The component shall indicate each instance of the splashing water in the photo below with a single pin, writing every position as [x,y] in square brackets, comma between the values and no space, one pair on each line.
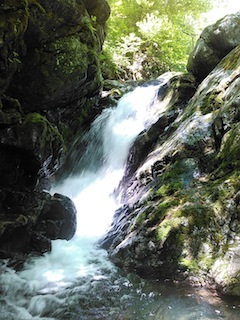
[91,192]
[76,281]
[111,136]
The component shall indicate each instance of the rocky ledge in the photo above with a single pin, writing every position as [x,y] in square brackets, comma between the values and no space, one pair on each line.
[181,190]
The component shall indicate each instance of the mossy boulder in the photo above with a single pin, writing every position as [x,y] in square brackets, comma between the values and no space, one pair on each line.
[61,67]
[181,201]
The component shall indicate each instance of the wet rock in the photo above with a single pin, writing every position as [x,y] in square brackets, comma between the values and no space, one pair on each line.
[179,90]
[182,192]
[226,272]
[58,217]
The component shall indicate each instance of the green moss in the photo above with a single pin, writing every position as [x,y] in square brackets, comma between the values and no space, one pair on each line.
[35,118]
[166,226]
[140,219]
[170,181]
[169,188]
[167,203]
[49,132]
[190,264]
[230,150]
[198,214]
[72,55]
[212,101]
[232,60]
[188,222]
[205,262]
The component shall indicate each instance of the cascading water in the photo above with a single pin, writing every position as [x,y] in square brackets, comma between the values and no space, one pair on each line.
[76,281]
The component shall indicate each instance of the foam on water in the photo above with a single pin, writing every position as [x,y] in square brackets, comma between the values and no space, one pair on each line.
[30,293]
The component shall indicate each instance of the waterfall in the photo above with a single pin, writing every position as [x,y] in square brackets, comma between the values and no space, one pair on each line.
[76,281]
[29,292]
[103,163]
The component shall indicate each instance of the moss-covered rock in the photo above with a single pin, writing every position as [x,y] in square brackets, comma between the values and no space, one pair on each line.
[61,65]
[13,24]
[50,83]
[39,147]
[181,201]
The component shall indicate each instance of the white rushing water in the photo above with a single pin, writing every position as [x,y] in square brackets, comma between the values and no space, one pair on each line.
[29,293]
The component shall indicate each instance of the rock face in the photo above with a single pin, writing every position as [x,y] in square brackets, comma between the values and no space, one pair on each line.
[215,42]
[180,191]
[50,81]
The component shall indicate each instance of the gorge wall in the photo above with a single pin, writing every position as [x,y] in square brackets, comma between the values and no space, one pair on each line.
[181,189]
[50,81]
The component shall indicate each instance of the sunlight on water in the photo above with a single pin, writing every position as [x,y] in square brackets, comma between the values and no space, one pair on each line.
[98,205]
[92,192]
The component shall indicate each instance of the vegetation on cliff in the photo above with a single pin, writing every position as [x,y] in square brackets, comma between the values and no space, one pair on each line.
[146,38]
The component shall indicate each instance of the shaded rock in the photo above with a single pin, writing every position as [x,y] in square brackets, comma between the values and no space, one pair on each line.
[30,151]
[30,220]
[58,218]
[61,67]
[18,168]
[215,42]
[13,24]
[50,83]
[10,112]
[98,8]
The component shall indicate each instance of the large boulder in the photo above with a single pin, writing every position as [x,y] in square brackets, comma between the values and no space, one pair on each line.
[60,67]
[180,216]
[30,220]
[215,42]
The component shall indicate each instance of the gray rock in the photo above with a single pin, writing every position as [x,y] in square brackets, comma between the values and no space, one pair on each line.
[215,42]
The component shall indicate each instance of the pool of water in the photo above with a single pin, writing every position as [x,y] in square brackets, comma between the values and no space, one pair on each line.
[101,291]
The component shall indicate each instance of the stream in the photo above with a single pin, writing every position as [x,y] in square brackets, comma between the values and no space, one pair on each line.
[76,281]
